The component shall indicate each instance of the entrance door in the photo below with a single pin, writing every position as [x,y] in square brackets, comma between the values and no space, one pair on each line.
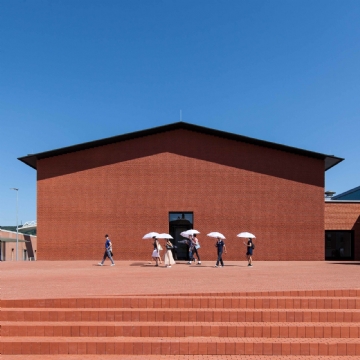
[339,245]
[179,222]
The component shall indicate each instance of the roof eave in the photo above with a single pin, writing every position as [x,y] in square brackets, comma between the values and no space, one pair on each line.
[31,159]
[331,161]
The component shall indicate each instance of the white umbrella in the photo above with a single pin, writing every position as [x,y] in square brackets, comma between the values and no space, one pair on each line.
[189,233]
[246,235]
[150,235]
[216,234]
[164,236]
[192,232]
[184,234]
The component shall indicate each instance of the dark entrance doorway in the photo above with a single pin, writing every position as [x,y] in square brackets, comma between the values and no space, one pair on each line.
[179,222]
[339,245]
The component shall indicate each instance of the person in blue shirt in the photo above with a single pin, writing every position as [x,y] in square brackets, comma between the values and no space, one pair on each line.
[220,249]
[108,251]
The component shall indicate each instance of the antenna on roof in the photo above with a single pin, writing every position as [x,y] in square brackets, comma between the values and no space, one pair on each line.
[180,115]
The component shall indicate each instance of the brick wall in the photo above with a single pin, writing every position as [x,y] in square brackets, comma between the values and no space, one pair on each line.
[344,216]
[127,189]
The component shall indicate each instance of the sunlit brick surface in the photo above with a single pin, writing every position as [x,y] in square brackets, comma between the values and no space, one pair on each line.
[109,312]
[127,189]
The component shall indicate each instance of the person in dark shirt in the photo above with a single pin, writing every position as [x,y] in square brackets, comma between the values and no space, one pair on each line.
[220,249]
[249,251]
[108,251]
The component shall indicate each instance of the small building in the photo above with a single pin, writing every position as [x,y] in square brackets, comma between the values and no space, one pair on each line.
[26,246]
[342,226]
[175,177]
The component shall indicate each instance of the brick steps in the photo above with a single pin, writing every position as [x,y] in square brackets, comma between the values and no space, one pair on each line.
[184,329]
[195,302]
[178,346]
[300,324]
[176,357]
[181,314]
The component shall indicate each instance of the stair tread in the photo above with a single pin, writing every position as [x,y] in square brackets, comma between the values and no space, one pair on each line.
[177,309]
[180,323]
[176,357]
[193,339]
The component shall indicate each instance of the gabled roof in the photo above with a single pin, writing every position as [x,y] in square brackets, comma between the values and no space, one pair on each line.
[352,194]
[32,159]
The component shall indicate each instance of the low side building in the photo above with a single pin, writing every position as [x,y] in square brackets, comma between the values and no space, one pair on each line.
[342,226]
[27,246]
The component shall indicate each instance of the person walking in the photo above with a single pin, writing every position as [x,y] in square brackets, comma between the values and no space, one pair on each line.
[249,251]
[195,246]
[108,251]
[168,258]
[155,253]
[191,246]
[160,249]
[220,249]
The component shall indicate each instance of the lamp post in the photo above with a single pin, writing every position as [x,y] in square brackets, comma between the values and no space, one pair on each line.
[17,227]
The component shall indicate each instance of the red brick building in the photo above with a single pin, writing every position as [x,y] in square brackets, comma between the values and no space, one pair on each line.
[174,177]
[342,230]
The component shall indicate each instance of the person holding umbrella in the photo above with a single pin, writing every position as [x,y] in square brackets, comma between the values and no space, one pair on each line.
[249,251]
[220,246]
[195,246]
[220,249]
[155,254]
[249,245]
[168,258]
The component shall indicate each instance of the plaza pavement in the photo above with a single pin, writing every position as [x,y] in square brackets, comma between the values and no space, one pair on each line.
[73,279]
[60,279]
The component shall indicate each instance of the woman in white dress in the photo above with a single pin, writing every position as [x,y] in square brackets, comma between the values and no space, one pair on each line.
[155,254]
[168,258]
[159,248]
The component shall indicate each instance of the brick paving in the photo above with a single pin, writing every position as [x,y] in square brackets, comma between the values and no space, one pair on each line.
[275,307]
[64,279]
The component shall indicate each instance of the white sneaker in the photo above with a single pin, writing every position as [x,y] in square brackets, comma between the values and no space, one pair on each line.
[169,266]
[189,262]
[112,265]
[100,264]
[199,262]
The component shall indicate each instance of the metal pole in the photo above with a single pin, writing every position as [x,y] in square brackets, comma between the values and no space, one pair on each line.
[17,226]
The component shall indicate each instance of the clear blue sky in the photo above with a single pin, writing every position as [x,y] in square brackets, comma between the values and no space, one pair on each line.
[72,71]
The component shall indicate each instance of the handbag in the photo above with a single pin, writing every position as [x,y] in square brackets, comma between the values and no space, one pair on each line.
[197,246]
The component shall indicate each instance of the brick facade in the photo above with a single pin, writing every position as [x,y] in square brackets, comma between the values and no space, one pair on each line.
[344,216]
[128,188]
